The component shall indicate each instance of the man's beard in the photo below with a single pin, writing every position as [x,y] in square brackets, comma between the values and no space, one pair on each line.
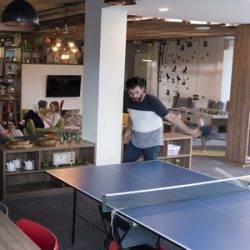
[137,99]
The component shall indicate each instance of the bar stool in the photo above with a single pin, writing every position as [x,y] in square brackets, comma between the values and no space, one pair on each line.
[4,209]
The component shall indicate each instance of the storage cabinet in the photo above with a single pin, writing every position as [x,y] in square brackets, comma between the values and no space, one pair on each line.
[22,182]
[183,156]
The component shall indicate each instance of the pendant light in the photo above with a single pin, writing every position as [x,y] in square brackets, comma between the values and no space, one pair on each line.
[121,2]
[20,13]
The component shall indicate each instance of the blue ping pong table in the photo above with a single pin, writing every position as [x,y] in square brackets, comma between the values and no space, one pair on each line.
[189,209]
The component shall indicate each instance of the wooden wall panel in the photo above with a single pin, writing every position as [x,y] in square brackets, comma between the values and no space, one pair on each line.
[238,124]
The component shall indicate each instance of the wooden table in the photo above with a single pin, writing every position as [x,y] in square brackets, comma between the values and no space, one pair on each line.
[11,237]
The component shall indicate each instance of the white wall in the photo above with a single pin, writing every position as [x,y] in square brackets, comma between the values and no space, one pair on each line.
[198,68]
[34,84]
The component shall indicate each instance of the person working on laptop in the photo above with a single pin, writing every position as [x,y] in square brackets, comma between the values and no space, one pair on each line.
[144,133]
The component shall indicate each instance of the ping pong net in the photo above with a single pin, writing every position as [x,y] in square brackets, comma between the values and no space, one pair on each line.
[156,196]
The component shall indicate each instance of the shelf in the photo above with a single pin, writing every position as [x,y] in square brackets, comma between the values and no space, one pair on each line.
[18,172]
[22,171]
[10,94]
[24,181]
[174,156]
[185,144]
[12,78]
[172,136]
[12,47]
[17,63]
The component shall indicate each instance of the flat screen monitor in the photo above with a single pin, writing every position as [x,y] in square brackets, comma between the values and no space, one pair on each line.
[63,86]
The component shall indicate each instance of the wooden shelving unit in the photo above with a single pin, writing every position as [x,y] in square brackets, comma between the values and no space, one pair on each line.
[23,182]
[183,158]
[15,49]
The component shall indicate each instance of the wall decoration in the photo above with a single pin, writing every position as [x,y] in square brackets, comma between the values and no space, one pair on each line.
[188,68]
[205,43]
[196,97]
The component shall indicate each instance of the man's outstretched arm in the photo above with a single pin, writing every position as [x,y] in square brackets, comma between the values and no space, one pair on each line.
[175,120]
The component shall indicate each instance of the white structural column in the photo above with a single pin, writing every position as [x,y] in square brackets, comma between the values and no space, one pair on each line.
[104,63]
[227,71]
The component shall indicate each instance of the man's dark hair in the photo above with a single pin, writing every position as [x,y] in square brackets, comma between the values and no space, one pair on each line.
[42,104]
[133,82]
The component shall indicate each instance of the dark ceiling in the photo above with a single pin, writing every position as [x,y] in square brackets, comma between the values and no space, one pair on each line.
[51,9]
[51,14]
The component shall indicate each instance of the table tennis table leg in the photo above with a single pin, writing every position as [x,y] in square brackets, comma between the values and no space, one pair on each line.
[74,219]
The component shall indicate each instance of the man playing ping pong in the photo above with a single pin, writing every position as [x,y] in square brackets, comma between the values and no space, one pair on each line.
[144,133]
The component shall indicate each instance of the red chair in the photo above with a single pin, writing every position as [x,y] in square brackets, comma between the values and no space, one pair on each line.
[61,105]
[39,234]
[113,245]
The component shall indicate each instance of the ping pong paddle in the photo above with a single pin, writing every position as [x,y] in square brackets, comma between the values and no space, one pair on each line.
[206,130]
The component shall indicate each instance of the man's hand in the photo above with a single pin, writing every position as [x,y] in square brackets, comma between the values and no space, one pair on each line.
[127,136]
[195,133]
[174,119]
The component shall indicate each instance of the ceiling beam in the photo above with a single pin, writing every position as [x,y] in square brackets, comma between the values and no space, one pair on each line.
[140,30]
[59,12]
[15,28]
[78,19]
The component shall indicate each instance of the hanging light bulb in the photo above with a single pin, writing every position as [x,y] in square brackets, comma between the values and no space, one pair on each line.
[55,49]
[58,43]
[74,50]
[67,57]
[71,44]
[63,56]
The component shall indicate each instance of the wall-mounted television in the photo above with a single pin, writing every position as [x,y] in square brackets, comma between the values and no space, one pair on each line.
[63,85]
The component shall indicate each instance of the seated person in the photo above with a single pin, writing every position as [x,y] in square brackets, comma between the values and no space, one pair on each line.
[13,131]
[6,136]
[49,120]
[41,105]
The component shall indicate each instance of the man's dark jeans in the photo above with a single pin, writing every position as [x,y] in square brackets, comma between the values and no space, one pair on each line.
[132,153]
